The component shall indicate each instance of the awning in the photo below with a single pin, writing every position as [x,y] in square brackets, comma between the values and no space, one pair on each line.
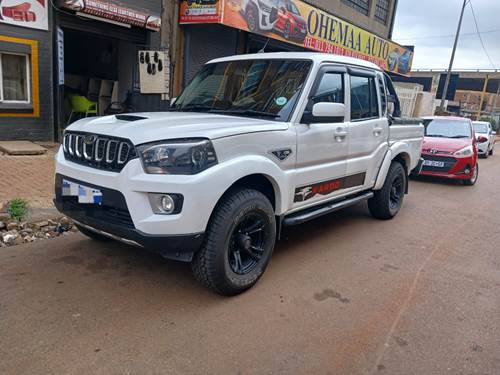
[301,24]
[114,12]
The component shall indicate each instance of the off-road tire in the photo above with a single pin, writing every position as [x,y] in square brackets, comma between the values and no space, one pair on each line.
[92,235]
[380,205]
[211,265]
[473,180]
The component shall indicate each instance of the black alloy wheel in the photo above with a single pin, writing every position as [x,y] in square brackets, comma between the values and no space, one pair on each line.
[247,244]
[397,193]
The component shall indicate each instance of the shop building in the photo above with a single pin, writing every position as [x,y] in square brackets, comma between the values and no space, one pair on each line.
[88,57]
[26,105]
[357,28]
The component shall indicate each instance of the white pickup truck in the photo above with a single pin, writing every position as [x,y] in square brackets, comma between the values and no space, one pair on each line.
[253,144]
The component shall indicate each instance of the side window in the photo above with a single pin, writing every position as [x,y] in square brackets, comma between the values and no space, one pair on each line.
[364,99]
[330,89]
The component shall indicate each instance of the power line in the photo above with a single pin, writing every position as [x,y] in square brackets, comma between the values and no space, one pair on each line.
[447,36]
[479,35]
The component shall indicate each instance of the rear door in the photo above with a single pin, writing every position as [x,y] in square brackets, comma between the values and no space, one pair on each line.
[322,146]
[368,127]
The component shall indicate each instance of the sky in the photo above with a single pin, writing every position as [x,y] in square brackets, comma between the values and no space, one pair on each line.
[430,26]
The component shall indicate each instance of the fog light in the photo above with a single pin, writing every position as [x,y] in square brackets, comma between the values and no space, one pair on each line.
[467,171]
[165,204]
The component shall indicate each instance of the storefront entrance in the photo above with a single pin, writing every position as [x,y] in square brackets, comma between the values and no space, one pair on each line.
[100,73]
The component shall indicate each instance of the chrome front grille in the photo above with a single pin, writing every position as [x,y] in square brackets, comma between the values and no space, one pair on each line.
[98,151]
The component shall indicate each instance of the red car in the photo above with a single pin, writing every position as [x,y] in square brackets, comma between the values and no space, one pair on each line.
[450,149]
[290,23]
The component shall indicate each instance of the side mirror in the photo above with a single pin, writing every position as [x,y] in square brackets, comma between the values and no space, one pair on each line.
[328,112]
[493,132]
[172,101]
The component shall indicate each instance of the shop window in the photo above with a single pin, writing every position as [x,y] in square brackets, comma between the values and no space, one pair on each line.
[382,11]
[364,100]
[14,78]
[362,6]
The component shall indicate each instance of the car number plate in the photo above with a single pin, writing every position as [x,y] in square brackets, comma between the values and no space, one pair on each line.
[85,194]
[434,163]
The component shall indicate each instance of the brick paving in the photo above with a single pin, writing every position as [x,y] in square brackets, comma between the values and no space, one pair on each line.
[28,177]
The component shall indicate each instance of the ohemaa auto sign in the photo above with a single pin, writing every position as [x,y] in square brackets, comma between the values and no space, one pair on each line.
[25,13]
[115,12]
[296,22]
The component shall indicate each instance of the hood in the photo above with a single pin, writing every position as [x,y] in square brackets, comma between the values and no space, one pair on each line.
[447,145]
[155,126]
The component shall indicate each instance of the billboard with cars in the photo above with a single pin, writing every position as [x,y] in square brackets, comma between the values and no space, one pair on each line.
[296,22]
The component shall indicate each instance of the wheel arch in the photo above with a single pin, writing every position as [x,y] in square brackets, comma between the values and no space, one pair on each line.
[261,182]
[400,155]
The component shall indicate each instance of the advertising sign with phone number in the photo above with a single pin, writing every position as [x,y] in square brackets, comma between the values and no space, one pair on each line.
[296,22]
[26,13]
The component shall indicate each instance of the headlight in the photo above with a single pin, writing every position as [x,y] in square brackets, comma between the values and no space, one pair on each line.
[466,151]
[185,156]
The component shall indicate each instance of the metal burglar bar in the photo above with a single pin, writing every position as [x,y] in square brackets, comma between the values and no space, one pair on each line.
[382,11]
[96,151]
[362,6]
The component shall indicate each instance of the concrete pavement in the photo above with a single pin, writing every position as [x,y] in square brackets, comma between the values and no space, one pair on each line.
[345,294]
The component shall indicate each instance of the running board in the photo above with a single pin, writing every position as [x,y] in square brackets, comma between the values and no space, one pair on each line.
[314,212]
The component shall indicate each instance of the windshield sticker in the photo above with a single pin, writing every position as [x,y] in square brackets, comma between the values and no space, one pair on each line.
[281,101]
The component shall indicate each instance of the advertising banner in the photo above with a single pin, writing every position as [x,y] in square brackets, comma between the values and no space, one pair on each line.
[296,22]
[114,12]
[26,13]
[200,11]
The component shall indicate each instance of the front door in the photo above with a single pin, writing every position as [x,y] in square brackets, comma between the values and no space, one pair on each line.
[368,128]
[322,148]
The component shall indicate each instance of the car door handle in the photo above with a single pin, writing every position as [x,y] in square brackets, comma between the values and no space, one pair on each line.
[377,131]
[340,134]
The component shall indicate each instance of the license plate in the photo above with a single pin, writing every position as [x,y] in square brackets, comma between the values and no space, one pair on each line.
[85,194]
[434,163]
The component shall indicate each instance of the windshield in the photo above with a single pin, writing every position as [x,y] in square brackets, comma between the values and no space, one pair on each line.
[480,128]
[255,88]
[448,129]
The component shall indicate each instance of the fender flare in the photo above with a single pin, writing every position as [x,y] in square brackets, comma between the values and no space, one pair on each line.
[396,150]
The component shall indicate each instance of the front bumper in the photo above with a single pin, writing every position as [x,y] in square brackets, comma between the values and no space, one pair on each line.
[483,148]
[454,167]
[112,219]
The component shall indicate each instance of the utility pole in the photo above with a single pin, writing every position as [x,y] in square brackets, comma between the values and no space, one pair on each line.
[448,75]
[494,110]
[481,101]
[169,37]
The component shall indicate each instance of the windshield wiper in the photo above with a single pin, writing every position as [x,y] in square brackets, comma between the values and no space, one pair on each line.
[192,108]
[460,136]
[245,112]
[435,135]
